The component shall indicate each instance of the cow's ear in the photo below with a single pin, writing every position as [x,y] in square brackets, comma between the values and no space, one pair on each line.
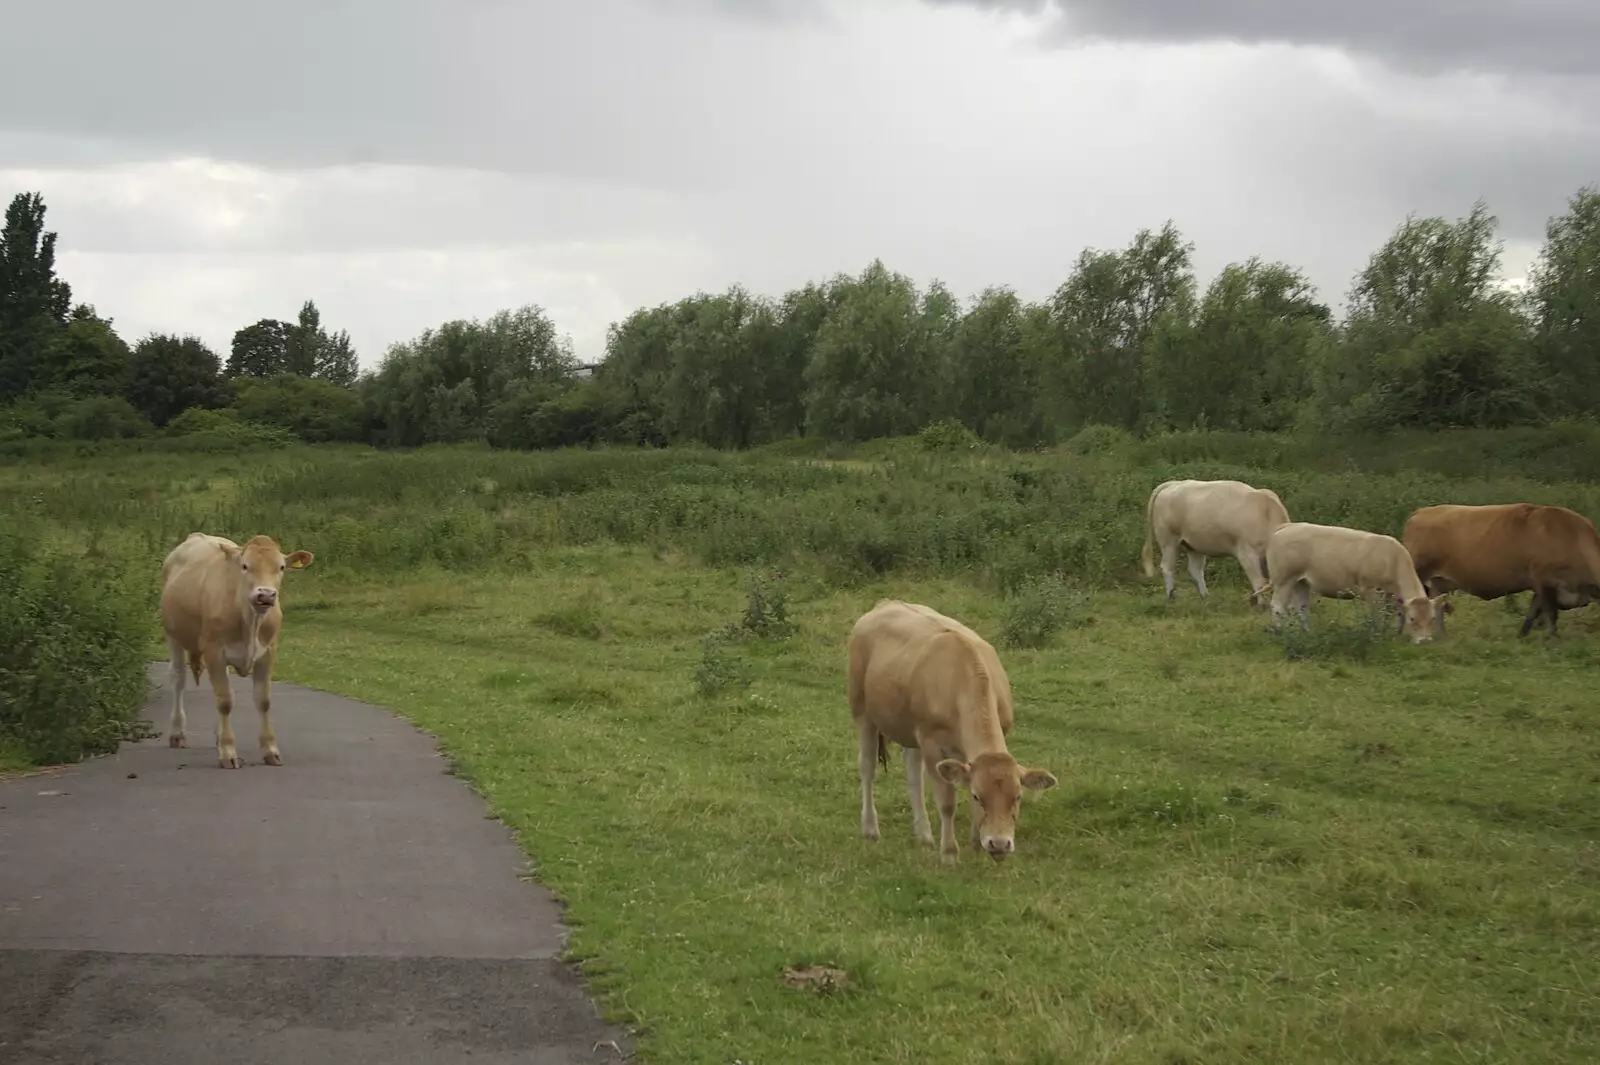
[232,553]
[300,559]
[1038,779]
[955,772]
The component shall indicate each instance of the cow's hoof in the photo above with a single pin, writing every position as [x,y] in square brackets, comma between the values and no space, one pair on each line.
[272,758]
[175,740]
[950,857]
[231,761]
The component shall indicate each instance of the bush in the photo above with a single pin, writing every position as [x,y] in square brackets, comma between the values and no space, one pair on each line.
[316,411]
[203,420]
[72,665]
[100,418]
[1039,608]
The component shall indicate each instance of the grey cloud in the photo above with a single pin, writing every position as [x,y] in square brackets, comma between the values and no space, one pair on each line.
[675,96]
[1533,36]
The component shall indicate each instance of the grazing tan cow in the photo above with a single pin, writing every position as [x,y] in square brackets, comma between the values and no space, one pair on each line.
[220,608]
[1339,563]
[1208,518]
[1498,550]
[936,688]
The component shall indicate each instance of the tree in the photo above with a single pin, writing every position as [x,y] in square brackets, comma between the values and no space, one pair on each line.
[1246,363]
[870,372]
[1109,311]
[712,391]
[304,341]
[1564,301]
[169,374]
[992,381]
[260,350]
[336,360]
[33,301]
[1424,305]
[443,386]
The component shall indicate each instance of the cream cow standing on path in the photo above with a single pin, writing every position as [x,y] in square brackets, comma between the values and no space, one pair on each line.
[936,688]
[1208,518]
[220,608]
[1339,563]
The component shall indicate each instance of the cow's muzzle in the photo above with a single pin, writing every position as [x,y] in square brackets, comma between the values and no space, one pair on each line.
[263,598]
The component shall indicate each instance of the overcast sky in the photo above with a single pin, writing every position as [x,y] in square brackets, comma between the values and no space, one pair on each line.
[404,162]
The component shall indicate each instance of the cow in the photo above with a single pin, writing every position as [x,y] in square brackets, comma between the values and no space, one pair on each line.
[1339,563]
[220,608]
[1503,548]
[1208,518]
[936,688]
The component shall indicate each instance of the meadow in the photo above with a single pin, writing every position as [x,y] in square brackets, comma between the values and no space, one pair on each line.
[1330,846]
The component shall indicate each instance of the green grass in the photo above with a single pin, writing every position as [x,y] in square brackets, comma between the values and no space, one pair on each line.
[1308,849]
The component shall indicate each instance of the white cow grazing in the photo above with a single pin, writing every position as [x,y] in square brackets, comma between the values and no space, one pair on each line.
[1338,563]
[1208,518]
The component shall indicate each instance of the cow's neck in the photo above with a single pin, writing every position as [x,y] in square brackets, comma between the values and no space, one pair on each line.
[980,734]
[252,631]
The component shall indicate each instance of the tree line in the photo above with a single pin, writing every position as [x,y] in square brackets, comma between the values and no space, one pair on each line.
[1429,338]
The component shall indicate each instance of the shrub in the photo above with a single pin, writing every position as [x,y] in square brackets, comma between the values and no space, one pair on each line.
[202,420]
[72,665]
[766,613]
[948,435]
[1371,631]
[1038,608]
[100,418]
[314,410]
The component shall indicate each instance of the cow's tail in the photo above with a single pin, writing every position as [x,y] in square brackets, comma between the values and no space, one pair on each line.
[1147,556]
[194,666]
[1260,594]
[883,752]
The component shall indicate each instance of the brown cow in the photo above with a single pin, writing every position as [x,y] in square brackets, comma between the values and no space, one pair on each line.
[220,608]
[1210,518]
[1504,548]
[936,688]
[1339,563]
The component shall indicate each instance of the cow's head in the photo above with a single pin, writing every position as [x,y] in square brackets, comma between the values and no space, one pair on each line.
[996,782]
[1420,616]
[261,564]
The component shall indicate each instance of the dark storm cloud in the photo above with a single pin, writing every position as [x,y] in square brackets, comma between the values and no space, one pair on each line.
[1531,36]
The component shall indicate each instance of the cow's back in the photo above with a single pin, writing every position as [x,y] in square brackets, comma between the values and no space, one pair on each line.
[1501,548]
[907,660]
[194,580]
[1218,513]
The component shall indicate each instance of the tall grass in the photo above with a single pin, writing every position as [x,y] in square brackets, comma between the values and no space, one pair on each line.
[892,508]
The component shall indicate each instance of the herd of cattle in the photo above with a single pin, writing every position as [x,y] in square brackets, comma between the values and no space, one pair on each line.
[937,689]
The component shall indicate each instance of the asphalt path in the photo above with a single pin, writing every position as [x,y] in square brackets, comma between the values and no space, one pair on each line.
[355,905]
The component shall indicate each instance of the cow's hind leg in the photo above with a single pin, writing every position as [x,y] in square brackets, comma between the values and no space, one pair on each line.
[261,677]
[1197,572]
[919,798]
[217,670]
[1536,610]
[1169,567]
[867,762]
[180,665]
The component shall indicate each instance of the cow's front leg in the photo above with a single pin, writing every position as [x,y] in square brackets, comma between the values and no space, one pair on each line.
[261,677]
[919,798]
[1169,569]
[866,761]
[217,669]
[1197,572]
[944,795]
